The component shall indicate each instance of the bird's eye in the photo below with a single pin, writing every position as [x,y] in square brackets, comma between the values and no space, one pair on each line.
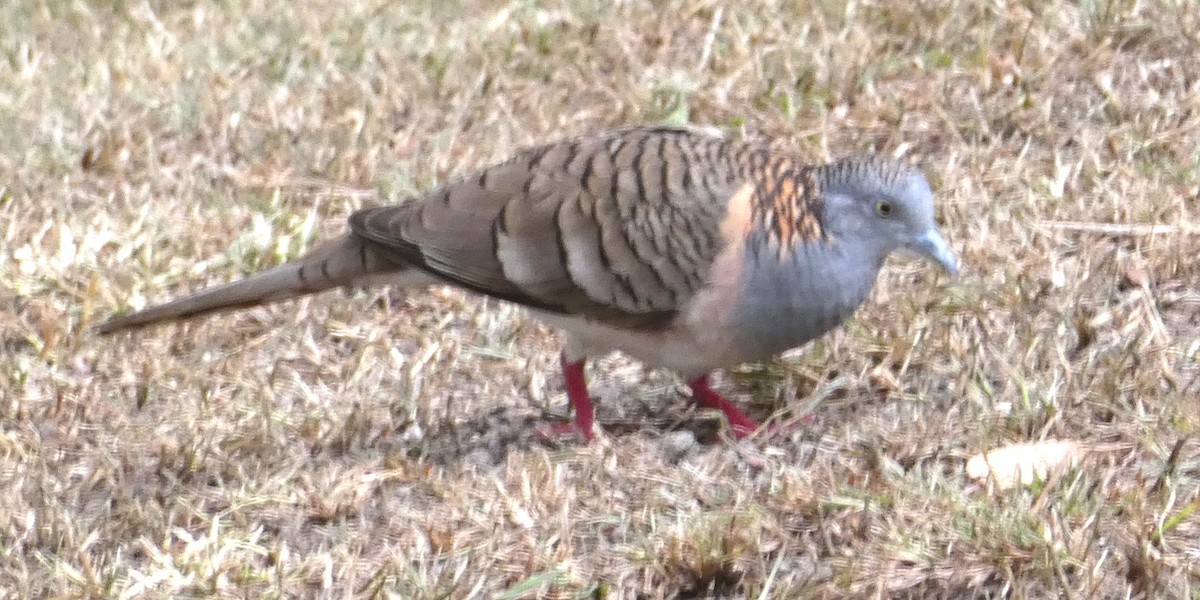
[883,208]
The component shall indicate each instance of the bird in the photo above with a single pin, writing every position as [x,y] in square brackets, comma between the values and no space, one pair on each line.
[678,246]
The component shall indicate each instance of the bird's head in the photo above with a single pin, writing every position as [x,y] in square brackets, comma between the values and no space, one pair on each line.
[884,205]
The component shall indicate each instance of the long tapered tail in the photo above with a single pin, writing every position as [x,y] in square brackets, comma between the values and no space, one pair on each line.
[347,261]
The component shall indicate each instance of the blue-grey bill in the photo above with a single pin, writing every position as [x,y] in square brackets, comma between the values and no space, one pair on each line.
[934,247]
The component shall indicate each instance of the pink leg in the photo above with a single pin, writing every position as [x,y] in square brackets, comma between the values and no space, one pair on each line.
[708,398]
[581,402]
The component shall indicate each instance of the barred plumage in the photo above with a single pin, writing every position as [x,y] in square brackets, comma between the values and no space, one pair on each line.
[672,244]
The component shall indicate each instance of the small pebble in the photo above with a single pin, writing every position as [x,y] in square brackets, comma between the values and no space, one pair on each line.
[480,457]
[678,443]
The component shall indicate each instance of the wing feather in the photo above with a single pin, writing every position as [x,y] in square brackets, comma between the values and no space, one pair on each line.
[620,228]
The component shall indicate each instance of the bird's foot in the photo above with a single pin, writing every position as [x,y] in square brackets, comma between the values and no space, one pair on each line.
[564,432]
[707,397]
[581,403]
[741,424]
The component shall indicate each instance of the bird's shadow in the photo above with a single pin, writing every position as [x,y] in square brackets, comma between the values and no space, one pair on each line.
[487,438]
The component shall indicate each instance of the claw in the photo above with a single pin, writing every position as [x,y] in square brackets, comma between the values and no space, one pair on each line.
[563,432]
[707,397]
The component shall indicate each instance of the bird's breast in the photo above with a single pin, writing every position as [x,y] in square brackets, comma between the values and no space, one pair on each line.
[786,300]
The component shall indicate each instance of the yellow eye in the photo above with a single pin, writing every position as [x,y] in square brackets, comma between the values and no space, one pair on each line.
[883,208]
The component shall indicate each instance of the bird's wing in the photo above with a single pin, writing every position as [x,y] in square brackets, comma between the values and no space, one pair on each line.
[620,228]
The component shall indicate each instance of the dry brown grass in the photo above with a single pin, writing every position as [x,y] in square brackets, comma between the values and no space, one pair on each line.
[373,444]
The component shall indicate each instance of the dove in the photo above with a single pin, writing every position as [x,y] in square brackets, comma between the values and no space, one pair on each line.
[677,246]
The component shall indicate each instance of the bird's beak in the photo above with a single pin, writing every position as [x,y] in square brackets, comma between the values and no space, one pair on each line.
[933,246]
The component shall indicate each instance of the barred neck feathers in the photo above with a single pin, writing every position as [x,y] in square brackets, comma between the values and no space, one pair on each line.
[784,202]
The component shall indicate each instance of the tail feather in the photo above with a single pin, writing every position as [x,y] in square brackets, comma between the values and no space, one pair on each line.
[338,263]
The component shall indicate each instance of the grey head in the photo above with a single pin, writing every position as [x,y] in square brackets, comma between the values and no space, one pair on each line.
[882,206]
[869,207]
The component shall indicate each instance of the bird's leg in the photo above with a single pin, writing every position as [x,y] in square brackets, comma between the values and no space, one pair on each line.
[581,402]
[707,397]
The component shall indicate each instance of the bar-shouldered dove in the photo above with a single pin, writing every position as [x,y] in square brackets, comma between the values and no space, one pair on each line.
[677,246]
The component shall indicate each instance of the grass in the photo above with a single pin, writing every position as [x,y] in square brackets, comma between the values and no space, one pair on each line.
[373,444]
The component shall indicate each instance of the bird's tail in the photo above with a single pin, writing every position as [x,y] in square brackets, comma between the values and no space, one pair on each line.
[348,261]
